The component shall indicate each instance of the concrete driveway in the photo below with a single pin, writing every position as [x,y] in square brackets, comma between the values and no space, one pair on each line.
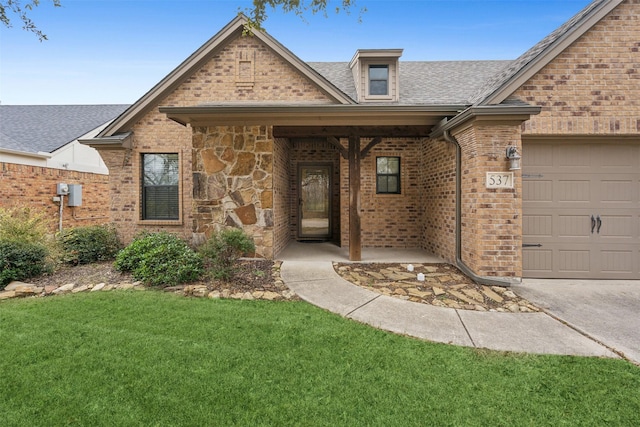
[606,311]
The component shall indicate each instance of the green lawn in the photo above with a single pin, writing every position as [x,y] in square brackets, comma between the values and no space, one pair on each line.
[147,358]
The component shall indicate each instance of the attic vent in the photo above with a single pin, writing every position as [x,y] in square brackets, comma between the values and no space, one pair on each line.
[245,69]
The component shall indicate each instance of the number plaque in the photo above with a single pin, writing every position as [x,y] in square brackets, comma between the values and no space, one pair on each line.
[499,180]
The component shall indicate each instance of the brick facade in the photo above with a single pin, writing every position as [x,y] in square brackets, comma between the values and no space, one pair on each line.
[35,187]
[491,218]
[438,198]
[593,86]
[387,220]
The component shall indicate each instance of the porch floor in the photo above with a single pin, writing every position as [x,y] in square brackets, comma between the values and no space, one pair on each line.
[325,251]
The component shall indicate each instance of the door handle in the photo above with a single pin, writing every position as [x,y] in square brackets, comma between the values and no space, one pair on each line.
[593,224]
[599,223]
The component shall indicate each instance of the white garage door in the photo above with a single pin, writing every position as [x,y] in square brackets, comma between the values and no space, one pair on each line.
[581,210]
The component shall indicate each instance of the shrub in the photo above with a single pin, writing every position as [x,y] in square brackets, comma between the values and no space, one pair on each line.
[222,251]
[21,260]
[160,259]
[84,245]
[24,225]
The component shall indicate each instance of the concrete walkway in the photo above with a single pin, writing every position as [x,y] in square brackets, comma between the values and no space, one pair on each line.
[309,272]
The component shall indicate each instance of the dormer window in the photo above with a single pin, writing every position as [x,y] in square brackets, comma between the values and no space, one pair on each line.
[376,74]
[379,80]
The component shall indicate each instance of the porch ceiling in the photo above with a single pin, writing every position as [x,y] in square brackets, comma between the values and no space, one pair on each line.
[318,116]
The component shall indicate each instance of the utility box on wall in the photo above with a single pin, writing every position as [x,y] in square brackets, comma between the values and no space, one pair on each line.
[75,195]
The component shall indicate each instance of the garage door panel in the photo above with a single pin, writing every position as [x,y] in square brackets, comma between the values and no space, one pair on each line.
[574,261]
[617,227]
[620,190]
[573,190]
[538,262]
[617,261]
[538,191]
[564,187]
[574,226]
[537,225]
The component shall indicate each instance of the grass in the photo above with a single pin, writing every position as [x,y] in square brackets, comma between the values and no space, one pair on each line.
[149,358]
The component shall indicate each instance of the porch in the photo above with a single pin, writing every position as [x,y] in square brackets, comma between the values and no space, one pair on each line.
[327,251]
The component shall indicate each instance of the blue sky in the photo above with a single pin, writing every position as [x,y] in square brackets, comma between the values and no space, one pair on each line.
[114,51]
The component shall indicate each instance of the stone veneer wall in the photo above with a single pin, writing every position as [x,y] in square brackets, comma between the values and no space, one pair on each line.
[282,194]
[593,87]
[438,198]
[491,218]
[35,186]
[310,151]
[387,220]
[233,182]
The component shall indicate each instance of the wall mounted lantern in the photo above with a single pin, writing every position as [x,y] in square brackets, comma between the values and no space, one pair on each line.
[513,157]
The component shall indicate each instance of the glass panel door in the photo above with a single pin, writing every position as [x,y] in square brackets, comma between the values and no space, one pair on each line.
[314,202]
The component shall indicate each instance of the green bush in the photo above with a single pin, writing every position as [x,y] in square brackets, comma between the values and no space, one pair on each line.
[160,259]
[21,260]
[223,250]
[84,245]
[24,225]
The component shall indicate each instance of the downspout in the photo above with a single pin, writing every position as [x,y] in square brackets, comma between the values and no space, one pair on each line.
[482,280]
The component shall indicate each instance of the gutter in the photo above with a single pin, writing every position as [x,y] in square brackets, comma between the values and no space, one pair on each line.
[38,155]
[482,280]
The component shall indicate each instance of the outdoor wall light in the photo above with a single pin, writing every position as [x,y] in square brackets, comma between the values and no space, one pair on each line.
[513,157]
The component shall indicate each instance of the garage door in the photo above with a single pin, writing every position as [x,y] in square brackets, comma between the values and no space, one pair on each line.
[581,210]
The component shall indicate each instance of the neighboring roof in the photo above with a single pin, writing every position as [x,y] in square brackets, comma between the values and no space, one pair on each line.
[497,89]
[45,128]
[423,83]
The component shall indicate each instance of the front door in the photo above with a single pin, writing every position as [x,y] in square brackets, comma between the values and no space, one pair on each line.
[314,202]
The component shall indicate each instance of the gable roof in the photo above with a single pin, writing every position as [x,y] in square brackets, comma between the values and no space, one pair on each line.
[45,128]
[497,89]
[203,54]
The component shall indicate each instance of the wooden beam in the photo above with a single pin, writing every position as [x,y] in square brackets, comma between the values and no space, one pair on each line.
[375,141]
[336,143]
[355,235]
[347,131]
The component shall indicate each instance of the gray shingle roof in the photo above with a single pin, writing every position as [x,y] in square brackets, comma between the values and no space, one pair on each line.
[34,128]
[508,73]
[422,82]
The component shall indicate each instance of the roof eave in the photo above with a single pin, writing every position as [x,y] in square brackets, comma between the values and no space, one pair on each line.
[487,113]
[115,142]
[38,155]
[327,115]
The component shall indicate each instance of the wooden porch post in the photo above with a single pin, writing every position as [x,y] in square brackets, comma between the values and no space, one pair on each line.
[355,241]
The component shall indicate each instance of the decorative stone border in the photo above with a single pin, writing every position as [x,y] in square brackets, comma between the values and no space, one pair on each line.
[21,290]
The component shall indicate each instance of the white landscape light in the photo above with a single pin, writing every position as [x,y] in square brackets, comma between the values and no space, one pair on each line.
[514,158]
[410,267]
[420,277]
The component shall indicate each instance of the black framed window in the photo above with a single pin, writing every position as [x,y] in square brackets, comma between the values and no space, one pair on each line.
[378,80]
[388,175]
[160,176]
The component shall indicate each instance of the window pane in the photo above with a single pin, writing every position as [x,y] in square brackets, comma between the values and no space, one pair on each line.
[382,165]
[392,184]
[378,80]
[160,169]
[388,175]
[382,184]
[160,176]
[378,72]
[378,87]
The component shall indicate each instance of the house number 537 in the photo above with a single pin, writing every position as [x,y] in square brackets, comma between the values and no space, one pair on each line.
[499,180]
